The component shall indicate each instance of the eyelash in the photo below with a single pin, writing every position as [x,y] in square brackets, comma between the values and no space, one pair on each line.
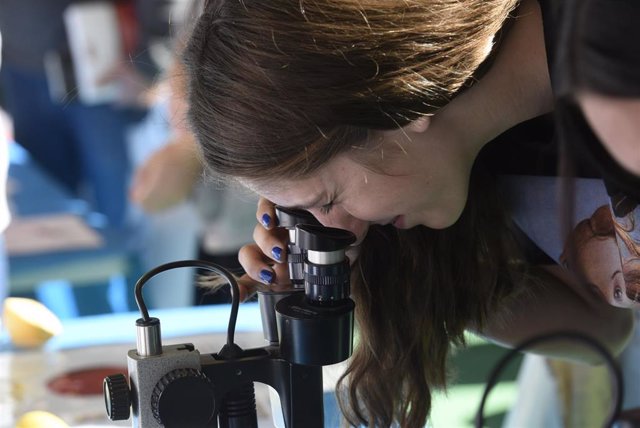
[326,209]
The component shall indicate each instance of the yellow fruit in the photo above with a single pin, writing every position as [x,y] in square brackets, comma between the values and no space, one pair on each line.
[29,322]
[40,419]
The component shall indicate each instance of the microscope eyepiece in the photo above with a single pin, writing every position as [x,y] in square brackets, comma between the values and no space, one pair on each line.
[323,239]
[291,217]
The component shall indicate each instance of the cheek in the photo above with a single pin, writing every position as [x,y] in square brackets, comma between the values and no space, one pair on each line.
[371,206]
[340,219]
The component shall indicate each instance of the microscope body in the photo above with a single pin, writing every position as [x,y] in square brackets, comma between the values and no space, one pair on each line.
[183,388]
[146,372]
[177,386]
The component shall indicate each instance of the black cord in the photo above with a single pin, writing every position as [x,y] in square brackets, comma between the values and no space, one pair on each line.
[565,335]
[235,292]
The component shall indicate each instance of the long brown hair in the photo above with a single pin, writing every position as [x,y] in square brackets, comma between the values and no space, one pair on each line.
[279,87]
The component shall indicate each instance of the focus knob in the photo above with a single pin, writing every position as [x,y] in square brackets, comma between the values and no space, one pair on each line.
[117,397]
[183,398]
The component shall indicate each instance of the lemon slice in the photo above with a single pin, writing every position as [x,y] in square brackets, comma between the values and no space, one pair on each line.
[40,419]
[29,322]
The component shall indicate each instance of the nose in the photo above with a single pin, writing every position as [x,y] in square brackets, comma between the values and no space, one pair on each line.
[341,219]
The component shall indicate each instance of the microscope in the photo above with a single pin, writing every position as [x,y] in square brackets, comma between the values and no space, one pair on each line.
[305,328]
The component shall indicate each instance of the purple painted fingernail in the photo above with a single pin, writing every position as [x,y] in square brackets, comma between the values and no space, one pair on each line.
[276,252]
[265,220]
[266,276]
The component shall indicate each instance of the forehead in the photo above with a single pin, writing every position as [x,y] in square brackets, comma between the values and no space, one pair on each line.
[383,155]
[295,192]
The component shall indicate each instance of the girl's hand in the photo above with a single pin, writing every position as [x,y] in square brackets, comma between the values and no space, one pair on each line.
[265,260]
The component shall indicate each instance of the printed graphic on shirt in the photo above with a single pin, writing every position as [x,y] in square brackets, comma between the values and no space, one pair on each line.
[602,247]
[604,251]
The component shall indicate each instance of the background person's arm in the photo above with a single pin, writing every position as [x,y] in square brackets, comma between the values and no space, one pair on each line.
[170,174]
[168,177]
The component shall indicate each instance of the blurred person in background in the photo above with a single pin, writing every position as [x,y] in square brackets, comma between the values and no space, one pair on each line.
[187,215]
[90,145]
[80,144]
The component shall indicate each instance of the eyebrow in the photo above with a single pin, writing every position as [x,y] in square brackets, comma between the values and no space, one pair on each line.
[615,273]
[311,204]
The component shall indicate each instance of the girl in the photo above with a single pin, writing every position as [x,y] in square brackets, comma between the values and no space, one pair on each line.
[376,117]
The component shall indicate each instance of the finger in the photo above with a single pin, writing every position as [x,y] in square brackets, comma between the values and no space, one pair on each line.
[282,275]
[266,214]
[273,242]
[261,268]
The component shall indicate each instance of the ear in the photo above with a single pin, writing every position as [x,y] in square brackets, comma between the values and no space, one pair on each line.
[419,125]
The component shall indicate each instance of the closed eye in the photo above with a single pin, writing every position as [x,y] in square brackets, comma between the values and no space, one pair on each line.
[326,208]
